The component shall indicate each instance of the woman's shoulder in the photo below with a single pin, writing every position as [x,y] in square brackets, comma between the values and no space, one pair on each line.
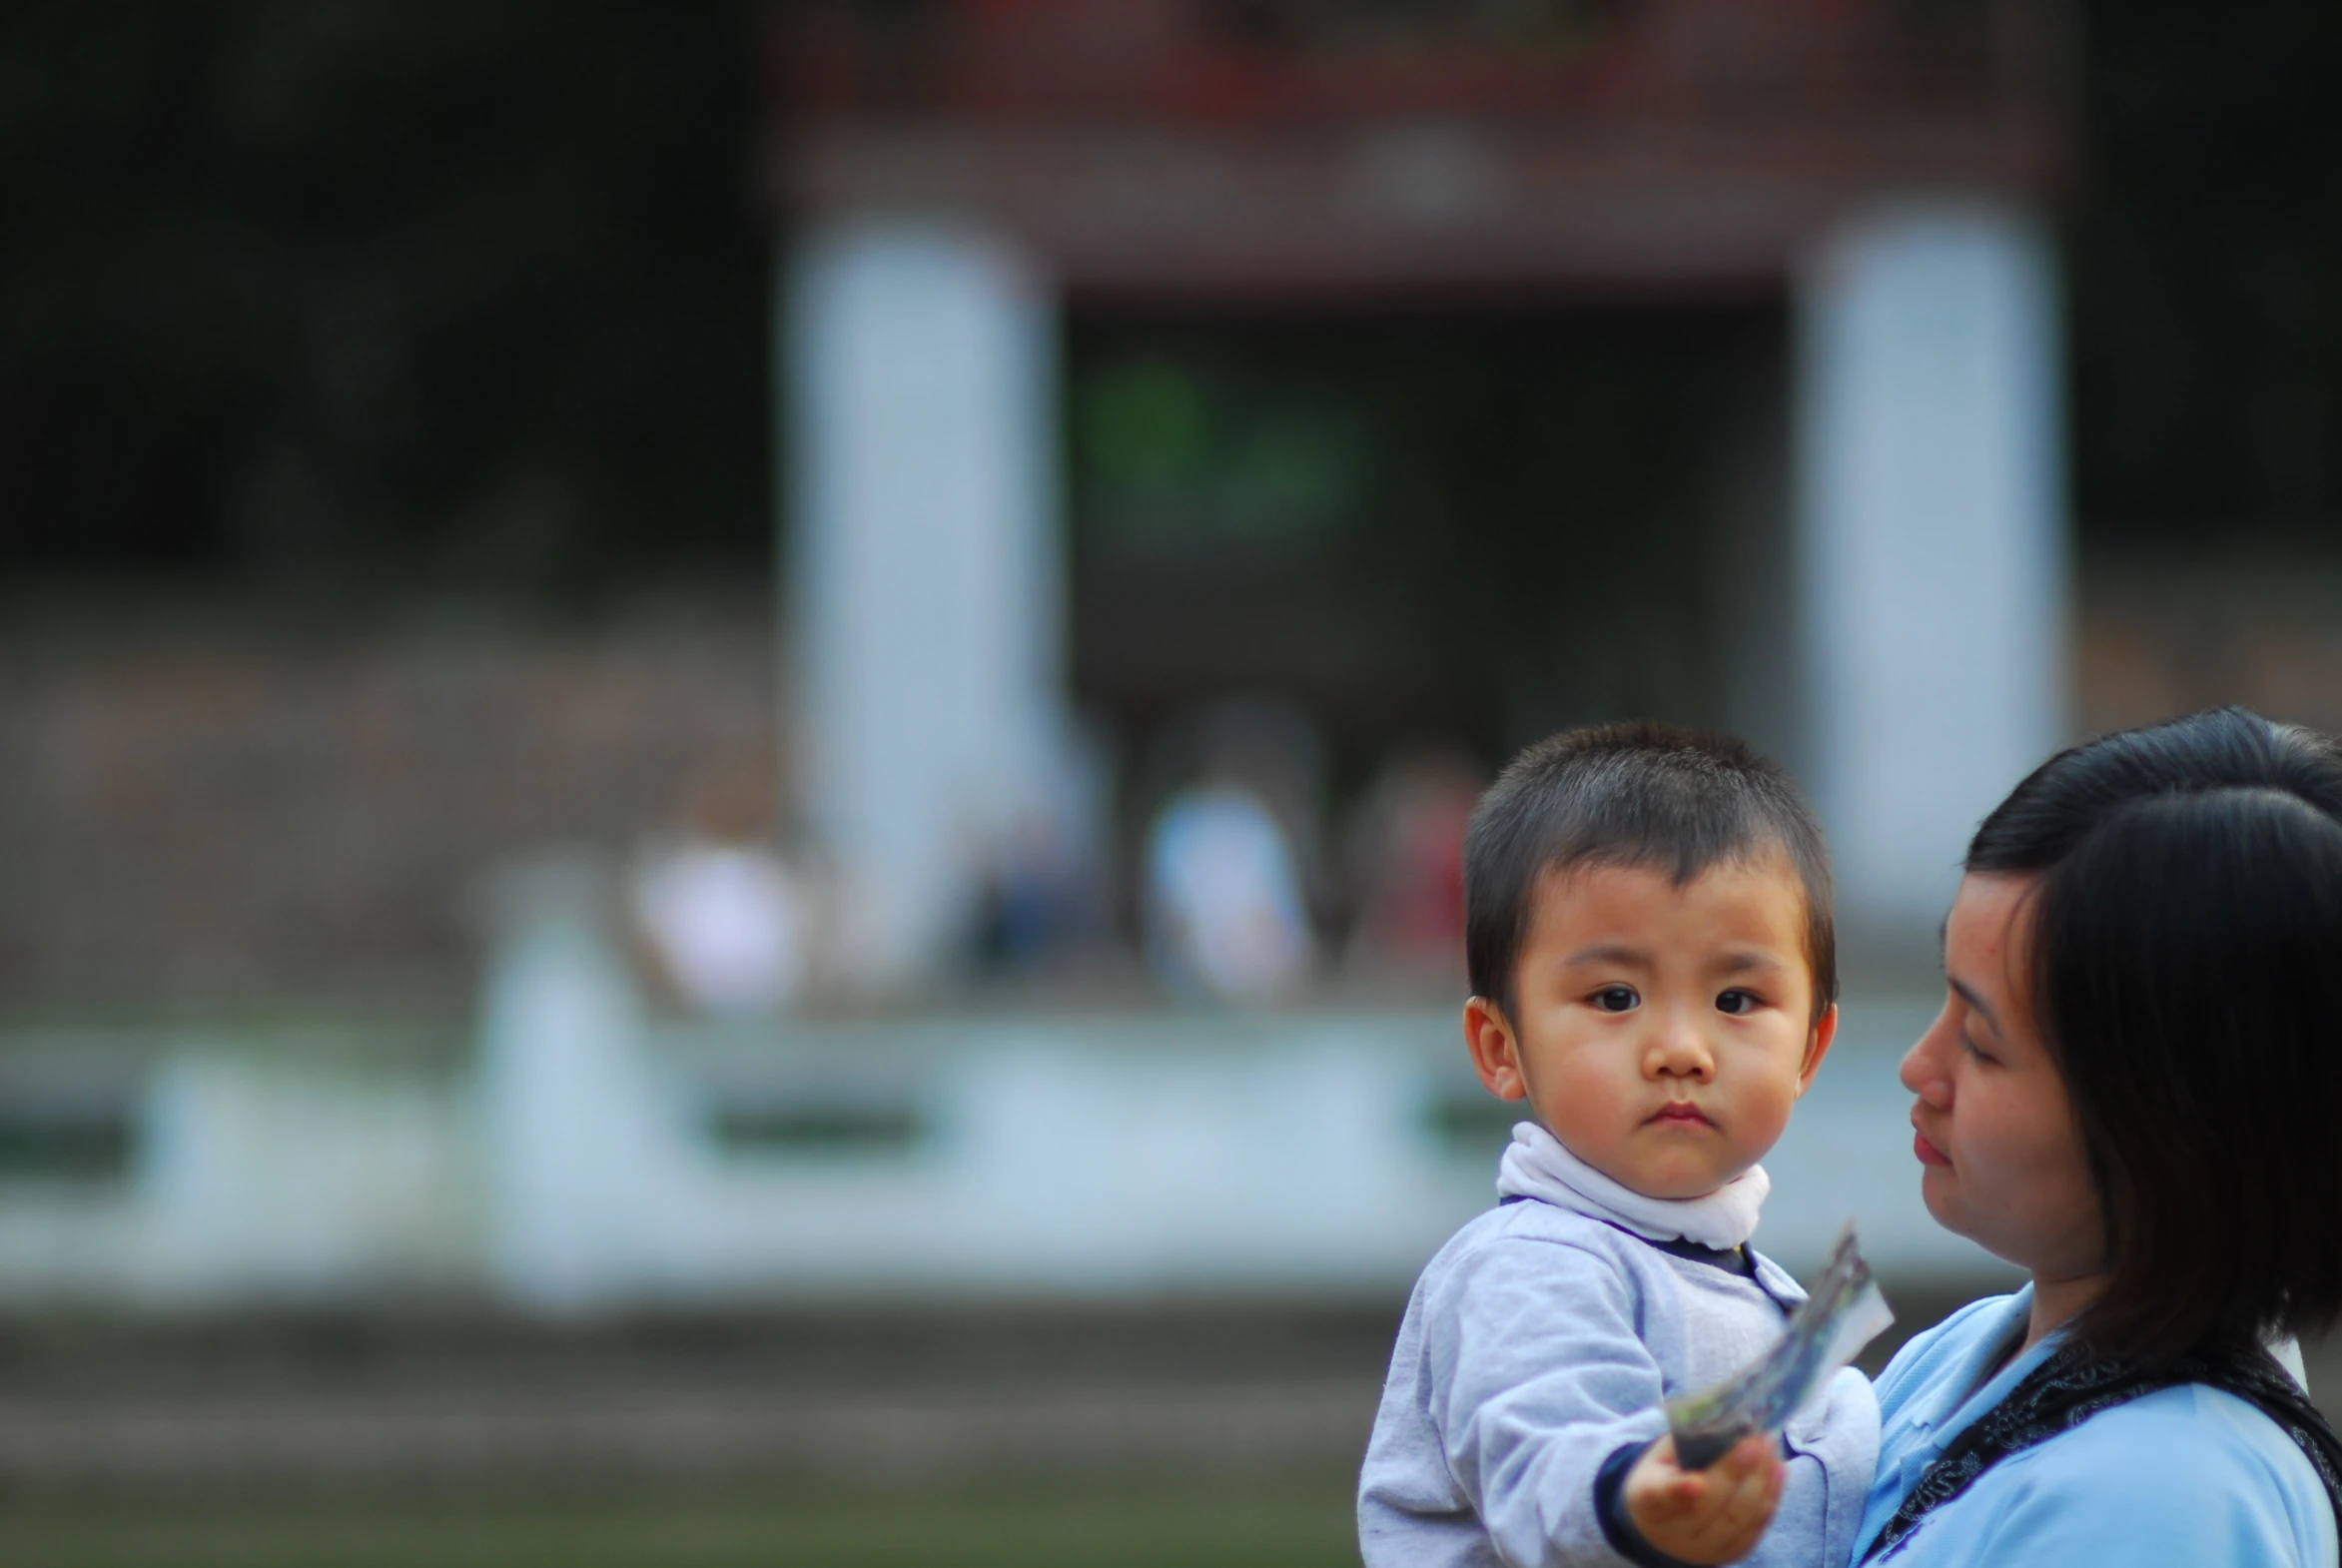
[2191,1439]
[2182,1475]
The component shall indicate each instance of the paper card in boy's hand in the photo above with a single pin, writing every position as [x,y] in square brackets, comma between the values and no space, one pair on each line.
[1844,1313]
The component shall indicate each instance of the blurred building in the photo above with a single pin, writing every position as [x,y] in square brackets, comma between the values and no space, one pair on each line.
[1440,374]
[963,190]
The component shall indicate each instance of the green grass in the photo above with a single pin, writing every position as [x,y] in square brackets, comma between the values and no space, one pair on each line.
[1284,1522]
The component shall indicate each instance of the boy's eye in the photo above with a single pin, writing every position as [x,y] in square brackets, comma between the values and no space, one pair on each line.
[1736,1001]
[1615,998]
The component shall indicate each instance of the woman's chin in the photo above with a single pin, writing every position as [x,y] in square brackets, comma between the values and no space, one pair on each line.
[1939,1189]
[1936,1190]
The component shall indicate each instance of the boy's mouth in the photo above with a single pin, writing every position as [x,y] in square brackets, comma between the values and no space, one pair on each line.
[1679,1114]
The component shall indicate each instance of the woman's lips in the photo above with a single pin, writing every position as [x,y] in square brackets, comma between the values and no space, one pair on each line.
[1928,1154]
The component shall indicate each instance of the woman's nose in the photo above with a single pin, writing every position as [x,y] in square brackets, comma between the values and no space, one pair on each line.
[1922,1073]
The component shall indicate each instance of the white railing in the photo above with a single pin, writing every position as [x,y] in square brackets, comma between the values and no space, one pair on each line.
[586,1157]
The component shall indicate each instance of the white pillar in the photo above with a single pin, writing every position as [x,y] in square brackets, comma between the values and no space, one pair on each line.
[1931,539]
[924,570]
[573,1129]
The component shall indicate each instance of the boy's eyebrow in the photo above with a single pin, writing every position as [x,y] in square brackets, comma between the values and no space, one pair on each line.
[1621,953]
[1609,953]
[1742,962]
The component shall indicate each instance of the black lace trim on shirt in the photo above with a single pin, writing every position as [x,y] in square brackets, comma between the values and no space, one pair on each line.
[1732,1260]
[2072,1386]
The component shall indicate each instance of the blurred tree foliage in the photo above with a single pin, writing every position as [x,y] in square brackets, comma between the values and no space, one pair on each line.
[382,298]
[2206,273]
[373,298]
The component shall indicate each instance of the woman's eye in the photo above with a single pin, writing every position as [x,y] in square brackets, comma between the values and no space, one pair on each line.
[1736,1001]
[1972,1048]
[1615,998]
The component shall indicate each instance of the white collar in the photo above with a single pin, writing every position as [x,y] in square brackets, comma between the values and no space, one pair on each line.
[1536,1165]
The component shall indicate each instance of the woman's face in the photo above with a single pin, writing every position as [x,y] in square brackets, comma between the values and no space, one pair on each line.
[2003,1159]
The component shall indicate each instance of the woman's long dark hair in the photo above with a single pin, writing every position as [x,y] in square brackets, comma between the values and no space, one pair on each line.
[2188,978]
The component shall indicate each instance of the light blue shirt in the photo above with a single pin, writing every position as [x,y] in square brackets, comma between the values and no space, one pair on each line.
[2187,1478]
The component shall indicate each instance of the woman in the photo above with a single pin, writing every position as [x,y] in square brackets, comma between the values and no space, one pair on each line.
[2134,1091]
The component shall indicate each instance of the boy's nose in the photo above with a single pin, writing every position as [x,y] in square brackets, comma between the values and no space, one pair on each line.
[1679,1050]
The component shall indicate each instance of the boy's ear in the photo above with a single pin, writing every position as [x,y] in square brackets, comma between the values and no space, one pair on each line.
[1818,1043]
[1496,1054]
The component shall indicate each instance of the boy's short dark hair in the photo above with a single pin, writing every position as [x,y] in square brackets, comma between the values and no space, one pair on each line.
[2186,977]
[1637,794]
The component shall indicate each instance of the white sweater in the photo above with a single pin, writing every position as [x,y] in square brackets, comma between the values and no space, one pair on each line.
[1537,1343]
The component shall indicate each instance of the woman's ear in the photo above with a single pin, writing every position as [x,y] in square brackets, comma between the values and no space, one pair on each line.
[1817,1041]
[1496,1054]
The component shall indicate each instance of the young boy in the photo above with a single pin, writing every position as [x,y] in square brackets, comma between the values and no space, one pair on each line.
[1649,939]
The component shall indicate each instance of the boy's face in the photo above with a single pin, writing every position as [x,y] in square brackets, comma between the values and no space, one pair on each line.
[1661,1032]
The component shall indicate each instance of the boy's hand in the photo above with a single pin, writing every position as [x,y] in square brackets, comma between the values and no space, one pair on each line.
[1707,1516]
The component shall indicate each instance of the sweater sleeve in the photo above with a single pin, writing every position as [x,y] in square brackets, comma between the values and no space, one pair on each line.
[1537,1380]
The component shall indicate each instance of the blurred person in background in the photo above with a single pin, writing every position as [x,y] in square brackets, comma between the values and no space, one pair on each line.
[1042,907]
[1407,867]
[728,923]
[1224,900]
[1225,908]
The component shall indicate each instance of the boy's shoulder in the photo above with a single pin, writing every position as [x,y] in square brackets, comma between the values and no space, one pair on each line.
[1525,1238]
[1526,1234]
[1534,1219]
